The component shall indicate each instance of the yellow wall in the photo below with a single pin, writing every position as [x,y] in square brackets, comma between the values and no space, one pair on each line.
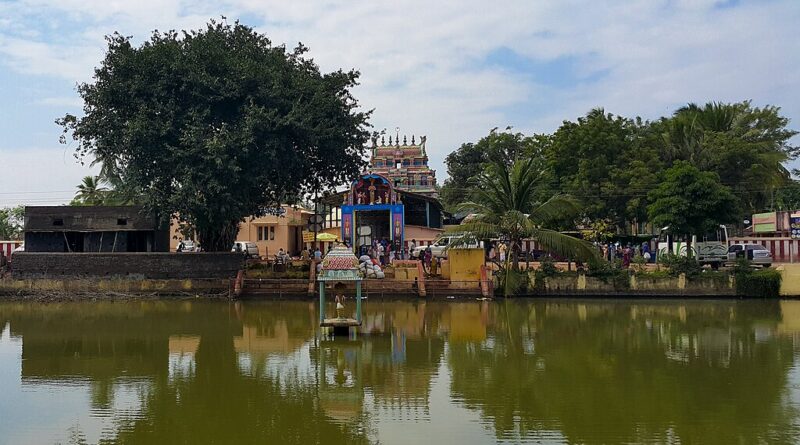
[790,283]
[465,264]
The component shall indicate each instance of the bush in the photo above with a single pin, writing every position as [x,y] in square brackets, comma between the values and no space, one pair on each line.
[678,264]
[255,266]
[613,271]
[511,282]
[639,264]
[765,283]
[547,267]
[742,266]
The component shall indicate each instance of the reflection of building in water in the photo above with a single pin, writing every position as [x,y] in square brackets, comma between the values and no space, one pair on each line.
[465,322]
[182,350]
[256,341]
[394,371]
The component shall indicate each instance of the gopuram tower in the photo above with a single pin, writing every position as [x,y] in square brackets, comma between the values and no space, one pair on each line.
[406,165]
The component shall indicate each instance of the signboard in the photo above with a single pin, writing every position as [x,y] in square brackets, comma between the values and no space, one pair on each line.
[315,219]
[794,225]
[275,211]
[765,222]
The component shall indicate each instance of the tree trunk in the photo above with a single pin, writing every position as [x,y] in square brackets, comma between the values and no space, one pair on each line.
[514,252]
[218,238]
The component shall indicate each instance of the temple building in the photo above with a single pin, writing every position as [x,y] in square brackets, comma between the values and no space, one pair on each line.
[406,166]
[395,200]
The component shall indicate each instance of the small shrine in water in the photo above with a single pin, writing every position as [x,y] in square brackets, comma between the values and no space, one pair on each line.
[339,266]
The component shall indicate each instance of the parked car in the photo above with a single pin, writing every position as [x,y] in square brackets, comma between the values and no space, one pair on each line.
[440,246]
[756,253]
[248,248]
[189,246]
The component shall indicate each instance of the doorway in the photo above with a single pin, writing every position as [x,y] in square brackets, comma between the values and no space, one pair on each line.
[371,225]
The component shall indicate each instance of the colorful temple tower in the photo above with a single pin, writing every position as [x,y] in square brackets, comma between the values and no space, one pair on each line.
[405,165]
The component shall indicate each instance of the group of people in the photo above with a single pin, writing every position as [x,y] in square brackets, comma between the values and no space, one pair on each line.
[498,252]
[315,254]
[385,252]
[627,252]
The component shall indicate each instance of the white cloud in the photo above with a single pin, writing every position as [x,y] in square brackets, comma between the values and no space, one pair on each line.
[421,61]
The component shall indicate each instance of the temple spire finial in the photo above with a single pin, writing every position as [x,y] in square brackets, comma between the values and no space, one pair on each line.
[412,140]
[405,140]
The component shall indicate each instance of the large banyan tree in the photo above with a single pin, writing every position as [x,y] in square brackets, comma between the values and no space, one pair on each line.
[215,125]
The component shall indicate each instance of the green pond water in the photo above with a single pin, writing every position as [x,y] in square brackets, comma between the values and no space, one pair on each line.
[533,371]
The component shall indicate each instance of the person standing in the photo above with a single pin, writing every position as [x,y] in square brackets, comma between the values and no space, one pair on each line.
[503,249]
[411,248]
[381,251]
[318,254]
[428,257]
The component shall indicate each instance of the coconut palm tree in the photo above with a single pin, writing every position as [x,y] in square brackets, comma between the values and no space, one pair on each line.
[91,192]
[504,206]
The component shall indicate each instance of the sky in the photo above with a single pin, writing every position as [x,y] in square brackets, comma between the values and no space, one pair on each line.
[450,70]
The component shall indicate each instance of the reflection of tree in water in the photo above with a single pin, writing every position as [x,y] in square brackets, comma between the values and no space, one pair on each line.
[219,405]
[214,404]
[601,373]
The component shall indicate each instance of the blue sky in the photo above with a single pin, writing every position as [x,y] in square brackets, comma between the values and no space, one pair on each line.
[449,70]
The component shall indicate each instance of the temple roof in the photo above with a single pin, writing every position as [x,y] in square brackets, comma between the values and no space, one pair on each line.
[394,147]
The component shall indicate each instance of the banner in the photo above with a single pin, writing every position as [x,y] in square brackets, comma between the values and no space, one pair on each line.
[794,225]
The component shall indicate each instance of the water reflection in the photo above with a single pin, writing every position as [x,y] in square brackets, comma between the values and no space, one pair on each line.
[519,371]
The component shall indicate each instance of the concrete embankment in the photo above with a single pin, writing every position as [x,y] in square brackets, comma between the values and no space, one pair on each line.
[99,275]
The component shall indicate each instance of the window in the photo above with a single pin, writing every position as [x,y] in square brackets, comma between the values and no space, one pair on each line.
[260,233]
[406,162]
[272,233]
[122,221]
[735,248]
[58,222]
[333,217]
[398,164]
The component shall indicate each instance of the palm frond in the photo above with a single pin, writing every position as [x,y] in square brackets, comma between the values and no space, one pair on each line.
[565,246]
[558,206]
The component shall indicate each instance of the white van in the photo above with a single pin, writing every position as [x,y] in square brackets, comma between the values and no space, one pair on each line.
[442,243]
[248,248]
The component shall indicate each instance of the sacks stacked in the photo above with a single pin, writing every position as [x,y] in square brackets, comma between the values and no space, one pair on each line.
[370,268]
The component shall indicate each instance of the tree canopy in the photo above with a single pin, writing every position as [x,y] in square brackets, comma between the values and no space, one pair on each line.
[505,206]
[690,201]
[469,160]
[215,125]
[609,163]
[91,192]
[11,219]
